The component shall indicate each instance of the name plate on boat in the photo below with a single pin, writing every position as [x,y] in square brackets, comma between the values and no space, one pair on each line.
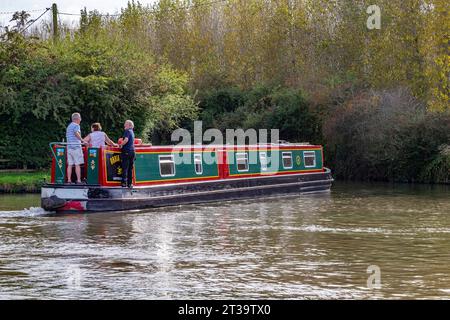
[113,167]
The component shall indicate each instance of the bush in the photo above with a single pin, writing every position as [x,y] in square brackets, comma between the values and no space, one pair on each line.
[387,135]
[438,170]
[262,107]
[42,83]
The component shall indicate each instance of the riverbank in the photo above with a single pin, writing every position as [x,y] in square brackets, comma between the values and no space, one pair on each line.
[23,182]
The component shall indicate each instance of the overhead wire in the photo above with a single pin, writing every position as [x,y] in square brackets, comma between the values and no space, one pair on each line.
[28,11]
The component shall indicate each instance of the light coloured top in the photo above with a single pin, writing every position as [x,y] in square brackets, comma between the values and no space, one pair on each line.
[74,142]
[97,139]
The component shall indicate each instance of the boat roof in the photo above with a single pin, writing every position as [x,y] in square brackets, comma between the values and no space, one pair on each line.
[284,146]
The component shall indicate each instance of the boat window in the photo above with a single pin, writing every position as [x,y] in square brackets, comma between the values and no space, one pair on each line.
[287,160]
[166,166]
[263,161]
[242,161]
[309,158]
[198,163]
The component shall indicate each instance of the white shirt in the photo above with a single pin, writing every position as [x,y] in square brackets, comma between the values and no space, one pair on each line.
[97,139]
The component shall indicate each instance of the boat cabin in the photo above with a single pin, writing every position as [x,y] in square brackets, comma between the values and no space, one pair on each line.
[180,164]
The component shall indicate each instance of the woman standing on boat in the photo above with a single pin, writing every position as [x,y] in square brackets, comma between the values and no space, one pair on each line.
[97,138]
[128,154]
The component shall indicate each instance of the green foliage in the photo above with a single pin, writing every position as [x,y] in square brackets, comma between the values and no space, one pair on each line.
[310,68]
[170,106]
[438,169]
[216,104]
[262,107]
[107,80]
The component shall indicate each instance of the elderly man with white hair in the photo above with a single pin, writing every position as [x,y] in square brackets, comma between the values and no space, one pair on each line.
[128,154]
[74,151]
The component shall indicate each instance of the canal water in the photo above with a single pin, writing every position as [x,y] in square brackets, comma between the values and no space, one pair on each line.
[361,241]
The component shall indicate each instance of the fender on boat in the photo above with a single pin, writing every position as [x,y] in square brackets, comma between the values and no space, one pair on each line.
[52,203]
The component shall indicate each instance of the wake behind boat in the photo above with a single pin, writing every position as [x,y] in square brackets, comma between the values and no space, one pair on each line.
[174,175]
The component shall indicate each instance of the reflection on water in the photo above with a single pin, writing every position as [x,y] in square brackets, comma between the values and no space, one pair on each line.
[300,247]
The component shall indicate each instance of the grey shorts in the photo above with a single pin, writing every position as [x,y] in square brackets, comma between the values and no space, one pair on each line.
[75,156]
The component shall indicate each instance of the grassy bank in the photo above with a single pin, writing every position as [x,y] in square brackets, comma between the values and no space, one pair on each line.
[19,182]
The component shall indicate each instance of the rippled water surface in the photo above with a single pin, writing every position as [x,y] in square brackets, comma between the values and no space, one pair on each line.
[297,247]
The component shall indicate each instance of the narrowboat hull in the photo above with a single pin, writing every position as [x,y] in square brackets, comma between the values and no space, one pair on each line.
[91,198]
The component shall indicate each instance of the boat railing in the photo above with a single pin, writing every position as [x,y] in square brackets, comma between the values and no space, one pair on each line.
[55,143]
[138,143]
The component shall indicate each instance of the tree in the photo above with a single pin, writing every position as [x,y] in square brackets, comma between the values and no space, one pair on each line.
[21,18]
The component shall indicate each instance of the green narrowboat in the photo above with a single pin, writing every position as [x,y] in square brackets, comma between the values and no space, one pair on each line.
[173,175]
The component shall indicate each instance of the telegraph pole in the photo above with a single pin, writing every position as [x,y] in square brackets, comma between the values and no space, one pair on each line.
[55,22]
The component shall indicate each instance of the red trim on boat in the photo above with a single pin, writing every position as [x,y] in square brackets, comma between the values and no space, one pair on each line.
[73,205]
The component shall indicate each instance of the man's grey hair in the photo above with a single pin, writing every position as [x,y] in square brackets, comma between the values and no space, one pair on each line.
[76,116]
[131,123]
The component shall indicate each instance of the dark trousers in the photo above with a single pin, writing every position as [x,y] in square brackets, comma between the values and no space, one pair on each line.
[127,159]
